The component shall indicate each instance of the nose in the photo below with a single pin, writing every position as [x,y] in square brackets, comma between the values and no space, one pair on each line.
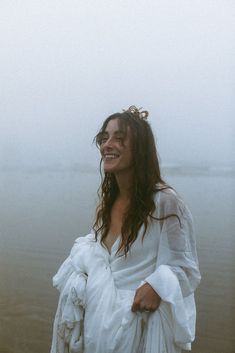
[108,143]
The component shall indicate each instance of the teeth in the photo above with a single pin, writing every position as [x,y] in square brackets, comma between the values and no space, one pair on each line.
[110,156]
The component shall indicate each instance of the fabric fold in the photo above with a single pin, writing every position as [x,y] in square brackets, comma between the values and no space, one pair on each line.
[183,310]
[97,289]
[70,280]
[68,323]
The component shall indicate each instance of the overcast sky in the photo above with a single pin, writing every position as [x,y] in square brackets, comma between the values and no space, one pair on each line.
[65,65]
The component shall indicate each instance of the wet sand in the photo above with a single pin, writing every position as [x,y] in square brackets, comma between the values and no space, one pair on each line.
[41,215]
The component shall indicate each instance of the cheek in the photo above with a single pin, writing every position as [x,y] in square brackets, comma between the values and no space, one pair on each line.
[101,150]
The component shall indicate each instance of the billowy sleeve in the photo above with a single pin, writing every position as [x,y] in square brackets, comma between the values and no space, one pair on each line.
[70,280]
[177,273]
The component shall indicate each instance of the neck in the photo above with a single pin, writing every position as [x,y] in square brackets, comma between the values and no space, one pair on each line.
[124,181]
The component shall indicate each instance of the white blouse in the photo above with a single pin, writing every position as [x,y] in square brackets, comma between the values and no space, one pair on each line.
[97,289]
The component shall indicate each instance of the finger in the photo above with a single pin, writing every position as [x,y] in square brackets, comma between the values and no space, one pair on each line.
[148,308]
[135,303]
[144,308]
[135,306]
[140,306]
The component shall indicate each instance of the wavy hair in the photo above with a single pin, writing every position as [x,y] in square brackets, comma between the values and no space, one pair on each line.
[146,183]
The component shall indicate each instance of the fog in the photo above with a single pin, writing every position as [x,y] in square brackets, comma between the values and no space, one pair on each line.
[67,65]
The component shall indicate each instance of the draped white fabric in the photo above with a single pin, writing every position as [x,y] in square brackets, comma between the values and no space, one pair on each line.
[97,289]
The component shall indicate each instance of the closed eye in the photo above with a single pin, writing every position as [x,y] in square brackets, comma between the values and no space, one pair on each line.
[103,140]
[103,137]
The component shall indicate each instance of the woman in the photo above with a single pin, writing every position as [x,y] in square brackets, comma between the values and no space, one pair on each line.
[128,286]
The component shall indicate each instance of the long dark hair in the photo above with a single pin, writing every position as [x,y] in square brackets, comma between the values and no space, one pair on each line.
[146,183]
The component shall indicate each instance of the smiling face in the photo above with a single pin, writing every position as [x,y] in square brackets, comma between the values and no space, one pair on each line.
[116,148]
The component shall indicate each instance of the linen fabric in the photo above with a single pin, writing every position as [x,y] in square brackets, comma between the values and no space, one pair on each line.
[97,289]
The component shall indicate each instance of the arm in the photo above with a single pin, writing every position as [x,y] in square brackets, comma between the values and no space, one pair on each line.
[177,274]
[177,251]
[177,247]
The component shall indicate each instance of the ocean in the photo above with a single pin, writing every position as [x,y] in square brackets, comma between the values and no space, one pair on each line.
[42,212]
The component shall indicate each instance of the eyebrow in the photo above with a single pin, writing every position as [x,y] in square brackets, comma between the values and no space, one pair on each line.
[118,132]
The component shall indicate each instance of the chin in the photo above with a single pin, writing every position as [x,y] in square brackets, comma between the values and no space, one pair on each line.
[109,170]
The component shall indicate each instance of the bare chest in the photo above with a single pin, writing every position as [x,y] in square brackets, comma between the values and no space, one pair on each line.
[117,216]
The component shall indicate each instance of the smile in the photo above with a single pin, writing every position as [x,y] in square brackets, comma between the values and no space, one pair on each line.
[108,156]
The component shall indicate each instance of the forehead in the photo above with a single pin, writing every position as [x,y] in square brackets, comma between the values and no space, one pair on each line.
[114,126]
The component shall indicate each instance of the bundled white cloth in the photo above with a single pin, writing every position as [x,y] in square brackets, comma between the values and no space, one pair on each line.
[97,290]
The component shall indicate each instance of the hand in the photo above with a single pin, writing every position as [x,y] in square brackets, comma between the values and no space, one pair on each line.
[146,299]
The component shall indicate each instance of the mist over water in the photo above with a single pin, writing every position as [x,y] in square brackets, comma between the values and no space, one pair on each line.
[43,212]
[65,66]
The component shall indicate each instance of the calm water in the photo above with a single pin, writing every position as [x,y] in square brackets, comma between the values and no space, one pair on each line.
[41,214]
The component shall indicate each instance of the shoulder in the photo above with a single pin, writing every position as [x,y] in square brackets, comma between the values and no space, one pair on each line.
[85,239]
[169,201]
[166,196]
[81,243]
